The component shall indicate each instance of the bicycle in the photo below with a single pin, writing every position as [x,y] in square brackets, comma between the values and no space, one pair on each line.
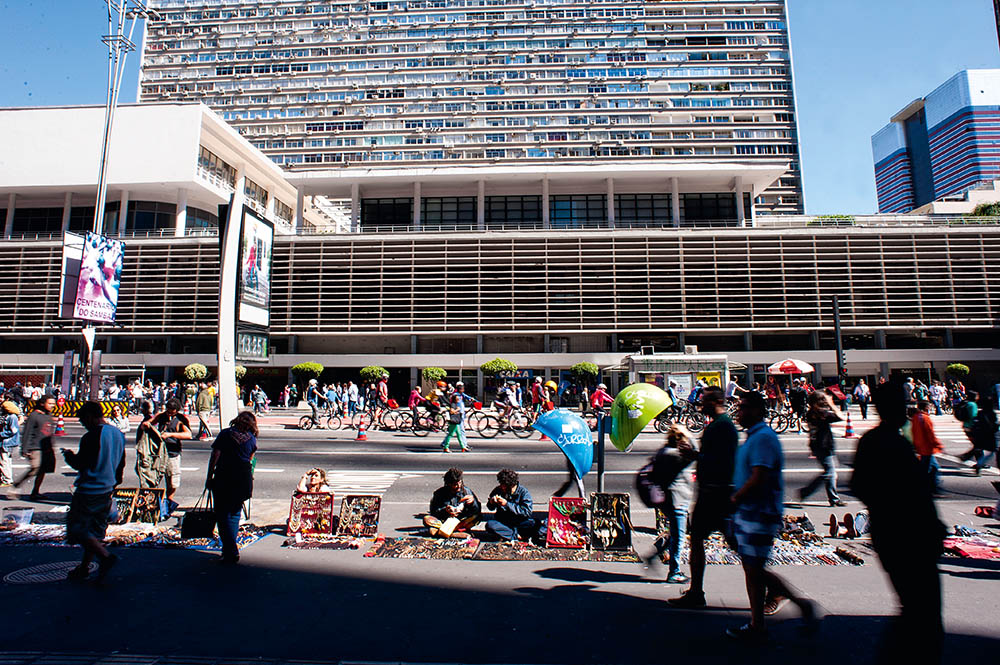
[517,423]
[307,422]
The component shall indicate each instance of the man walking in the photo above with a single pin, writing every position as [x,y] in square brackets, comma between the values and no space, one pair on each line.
[99,463]
[757,518]
[203,407]
[905,529]
[714,477]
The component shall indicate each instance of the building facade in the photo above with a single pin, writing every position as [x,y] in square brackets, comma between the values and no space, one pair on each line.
[942,145]
[418,84]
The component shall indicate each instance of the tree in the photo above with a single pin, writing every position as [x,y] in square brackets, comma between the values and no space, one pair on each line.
[585,372]
[372,373]
[957,370]
[303,372]
[240,371]
[987,210]
[195,372]
[433,374]
[497,366]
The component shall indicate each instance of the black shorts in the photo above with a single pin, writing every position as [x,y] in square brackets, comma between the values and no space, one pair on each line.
[87,517]
[711,512]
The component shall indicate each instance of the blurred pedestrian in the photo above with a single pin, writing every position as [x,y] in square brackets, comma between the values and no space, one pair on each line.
[672,474]
[10,438]
[714,479]
[906,532]
[230,479]
[36,445]
[758,504]
[821,414]
[926,443]
[100,463]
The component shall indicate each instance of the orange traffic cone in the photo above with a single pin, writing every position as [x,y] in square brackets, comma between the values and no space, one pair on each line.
[60,426]
[362,435]
[849,429]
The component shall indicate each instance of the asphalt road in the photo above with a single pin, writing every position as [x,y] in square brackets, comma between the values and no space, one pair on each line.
[337,606]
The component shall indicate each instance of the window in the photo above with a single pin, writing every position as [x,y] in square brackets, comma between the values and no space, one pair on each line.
[643,209]
[213,165]
[256,195]
[576,210]
[447,211]
[386,212]
[513,209]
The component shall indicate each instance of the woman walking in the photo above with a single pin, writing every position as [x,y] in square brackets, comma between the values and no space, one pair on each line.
[230,479]
[820,415]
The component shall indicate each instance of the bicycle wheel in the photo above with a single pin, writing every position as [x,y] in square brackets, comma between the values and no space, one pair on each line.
[422,427]
[662,424]
[389,420]
[404,423]
[475,421]
[362,418]
[489,427]
[520,426]
[334,422]
[694,421]
[778,422]
[306,422]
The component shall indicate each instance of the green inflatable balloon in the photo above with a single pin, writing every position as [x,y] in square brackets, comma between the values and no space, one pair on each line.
[632,410]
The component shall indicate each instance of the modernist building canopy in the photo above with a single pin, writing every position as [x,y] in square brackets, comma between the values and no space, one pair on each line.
[631,177]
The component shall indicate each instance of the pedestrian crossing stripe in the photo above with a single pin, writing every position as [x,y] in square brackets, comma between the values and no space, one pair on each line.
[363,482]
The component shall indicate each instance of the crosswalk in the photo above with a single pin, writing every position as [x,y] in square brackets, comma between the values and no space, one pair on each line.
[364,482]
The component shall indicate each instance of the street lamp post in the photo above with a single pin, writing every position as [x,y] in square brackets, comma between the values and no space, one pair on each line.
[119,46]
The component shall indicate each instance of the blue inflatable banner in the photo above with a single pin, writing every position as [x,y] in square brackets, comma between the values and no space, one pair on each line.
[571,433]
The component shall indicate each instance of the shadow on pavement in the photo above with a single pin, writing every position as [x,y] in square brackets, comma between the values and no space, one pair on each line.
[280,604]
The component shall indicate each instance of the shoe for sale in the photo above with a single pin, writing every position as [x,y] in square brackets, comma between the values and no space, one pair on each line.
[747,633]
[690,600]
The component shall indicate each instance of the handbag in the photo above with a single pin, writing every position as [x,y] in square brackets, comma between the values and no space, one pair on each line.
[199,522]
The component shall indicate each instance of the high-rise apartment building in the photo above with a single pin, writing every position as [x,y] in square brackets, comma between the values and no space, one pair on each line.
[405,85]
[941,145]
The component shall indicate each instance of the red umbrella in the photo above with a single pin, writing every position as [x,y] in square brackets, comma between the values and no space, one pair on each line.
[790,366]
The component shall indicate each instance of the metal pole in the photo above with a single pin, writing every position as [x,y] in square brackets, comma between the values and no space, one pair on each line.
[996,12]
[840,344]
[600,451]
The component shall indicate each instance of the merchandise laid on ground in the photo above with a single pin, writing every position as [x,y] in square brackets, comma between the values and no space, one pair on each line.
[968,543]
[127,535]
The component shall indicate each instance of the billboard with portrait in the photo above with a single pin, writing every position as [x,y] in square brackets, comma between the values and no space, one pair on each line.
[254,286]
[100,279]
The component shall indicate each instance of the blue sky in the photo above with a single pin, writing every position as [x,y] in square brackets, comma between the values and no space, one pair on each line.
[857,62]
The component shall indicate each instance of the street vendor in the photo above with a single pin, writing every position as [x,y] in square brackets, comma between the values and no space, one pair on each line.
[313,481]
[514,517]
[454,508]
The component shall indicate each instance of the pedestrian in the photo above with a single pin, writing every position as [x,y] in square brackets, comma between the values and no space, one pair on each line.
[352,397]
[926,443]
[293,396]
[119,419]
[714,478]
[820,415]
[905,530]
[982,432]
[10,438]
[100,463]
[174,427]
[230,479]
[151,458]
[757,519]
[863,395]
[36,445]
[672,474]
[203,407]
[456,425]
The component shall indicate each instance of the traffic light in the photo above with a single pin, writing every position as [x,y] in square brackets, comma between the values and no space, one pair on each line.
[842,362]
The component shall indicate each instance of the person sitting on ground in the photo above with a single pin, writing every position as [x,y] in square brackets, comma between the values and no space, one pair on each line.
[514,517]
[313,480]
[453,500]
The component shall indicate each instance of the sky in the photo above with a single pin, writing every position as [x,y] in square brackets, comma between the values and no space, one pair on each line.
[856,63]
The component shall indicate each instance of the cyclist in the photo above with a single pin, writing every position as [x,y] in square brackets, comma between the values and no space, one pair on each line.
[504,401]
[599,399]
[313,396]
[549,395]
[416,399]
[732,388]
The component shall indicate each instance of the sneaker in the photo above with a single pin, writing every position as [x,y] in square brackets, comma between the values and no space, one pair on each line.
[810,619]
[466,449]
[446,450]
[690,600]
[677,577]
[837,504]
[78,574]
[747,633]
[105,565]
